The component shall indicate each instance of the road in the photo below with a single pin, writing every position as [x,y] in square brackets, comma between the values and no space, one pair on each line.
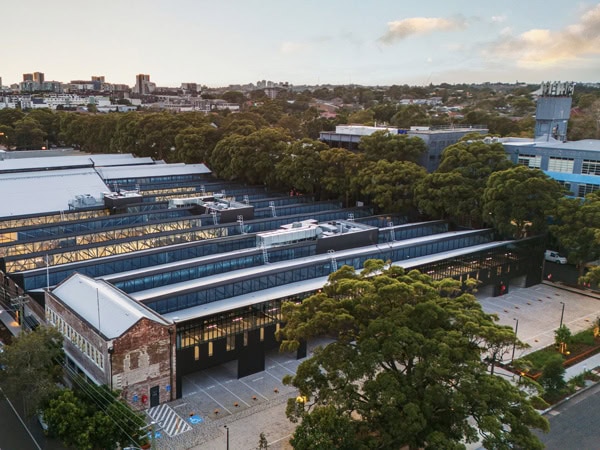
[15,436]
[574,424]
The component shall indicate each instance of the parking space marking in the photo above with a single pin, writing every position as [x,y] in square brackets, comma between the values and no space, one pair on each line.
[166,417]
[252,389]
[256,379]
[228,390]
[281,365]
[210,396]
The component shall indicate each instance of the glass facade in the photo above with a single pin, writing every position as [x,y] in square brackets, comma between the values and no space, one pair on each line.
[229,323]
[267,277]
[216,265]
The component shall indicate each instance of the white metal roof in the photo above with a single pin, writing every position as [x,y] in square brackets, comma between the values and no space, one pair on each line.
[118,159]
[41,161]
[49,163]
[40,192]
[104,307]
[155,170]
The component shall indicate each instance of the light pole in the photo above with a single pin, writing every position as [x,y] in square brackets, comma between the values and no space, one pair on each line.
[515,342]
[227,429]
[562,314]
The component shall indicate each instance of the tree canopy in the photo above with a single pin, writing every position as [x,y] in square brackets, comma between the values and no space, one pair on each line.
[576,226]
[32,366]
[405,369]
[92,417]
[455,190]
[518,201]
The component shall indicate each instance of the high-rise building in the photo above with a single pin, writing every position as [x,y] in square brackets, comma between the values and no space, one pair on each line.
[38,77]
[0,82]
[27,77]
[143,85]
[98,78]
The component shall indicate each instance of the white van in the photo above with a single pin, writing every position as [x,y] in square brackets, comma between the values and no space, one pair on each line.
[552,256]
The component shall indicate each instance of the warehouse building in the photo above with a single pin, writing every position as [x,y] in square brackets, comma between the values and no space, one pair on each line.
[170,271]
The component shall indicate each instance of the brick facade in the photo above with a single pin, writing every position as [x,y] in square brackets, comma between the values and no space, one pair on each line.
[141,359]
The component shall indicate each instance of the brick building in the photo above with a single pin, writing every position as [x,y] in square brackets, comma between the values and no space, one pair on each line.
[114,340]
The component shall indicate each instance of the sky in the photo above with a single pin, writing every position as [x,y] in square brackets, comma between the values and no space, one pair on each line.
[368,42]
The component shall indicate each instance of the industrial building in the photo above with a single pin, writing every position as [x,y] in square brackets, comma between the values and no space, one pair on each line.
[436,138]
[574,164]
[155,271]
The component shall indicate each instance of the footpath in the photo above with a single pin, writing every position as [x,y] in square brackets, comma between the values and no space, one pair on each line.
[589,364]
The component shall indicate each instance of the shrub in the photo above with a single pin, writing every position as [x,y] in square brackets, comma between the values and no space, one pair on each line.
[538,402]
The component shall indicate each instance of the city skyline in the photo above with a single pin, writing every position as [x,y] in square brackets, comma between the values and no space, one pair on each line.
[308,42]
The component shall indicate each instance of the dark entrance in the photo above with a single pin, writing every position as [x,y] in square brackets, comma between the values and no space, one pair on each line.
[154,396]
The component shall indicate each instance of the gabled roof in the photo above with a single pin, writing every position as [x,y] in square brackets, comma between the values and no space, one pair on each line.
[105,308]
[49,191]
[155,170]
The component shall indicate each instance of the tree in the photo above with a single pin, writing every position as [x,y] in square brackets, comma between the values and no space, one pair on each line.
[301,167]
[392,147]
[28,134]
[390,185]
[517,201]
[562,338]
[262,442]
[406,366]
[575,226]
[195,144]
[552,378]
[33,366]
[92,417]
[234,97]
[455,189]
[340,166]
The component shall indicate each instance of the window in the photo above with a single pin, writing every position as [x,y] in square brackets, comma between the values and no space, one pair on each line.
[564,165]
[585,189]
[590,167]
[210,349]
[531,161]
[230,343]
[196,352]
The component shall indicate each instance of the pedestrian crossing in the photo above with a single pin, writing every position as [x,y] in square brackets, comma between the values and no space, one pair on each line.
[171,422]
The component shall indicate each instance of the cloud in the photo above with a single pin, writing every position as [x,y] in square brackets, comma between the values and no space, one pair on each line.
[401,29]
[289,47]
[498,19]
[545,48]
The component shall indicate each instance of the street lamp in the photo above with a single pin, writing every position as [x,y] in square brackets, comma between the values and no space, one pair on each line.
[227,428]
[562,314]
[515,342]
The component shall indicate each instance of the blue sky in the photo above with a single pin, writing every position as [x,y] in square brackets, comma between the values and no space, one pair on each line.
[303,42]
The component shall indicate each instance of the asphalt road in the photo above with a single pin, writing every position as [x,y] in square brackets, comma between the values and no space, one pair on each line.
[15,436]
[574,424]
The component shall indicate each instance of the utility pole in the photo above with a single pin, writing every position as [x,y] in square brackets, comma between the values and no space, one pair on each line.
[19,302]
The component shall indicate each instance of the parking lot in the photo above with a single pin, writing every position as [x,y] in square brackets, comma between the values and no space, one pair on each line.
[215,398]
[538,310]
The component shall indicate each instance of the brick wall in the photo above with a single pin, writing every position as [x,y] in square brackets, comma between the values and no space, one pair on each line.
[99,375]
[143,358]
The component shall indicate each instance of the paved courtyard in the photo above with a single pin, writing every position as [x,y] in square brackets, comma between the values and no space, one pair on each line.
[538,310]
[215,398]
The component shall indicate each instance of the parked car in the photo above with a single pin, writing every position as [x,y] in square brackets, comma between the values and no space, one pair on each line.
[552,256]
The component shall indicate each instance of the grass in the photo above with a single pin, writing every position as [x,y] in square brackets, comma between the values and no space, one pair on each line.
[579,343]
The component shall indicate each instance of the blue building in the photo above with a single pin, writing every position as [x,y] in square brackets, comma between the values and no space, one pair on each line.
[576,164]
